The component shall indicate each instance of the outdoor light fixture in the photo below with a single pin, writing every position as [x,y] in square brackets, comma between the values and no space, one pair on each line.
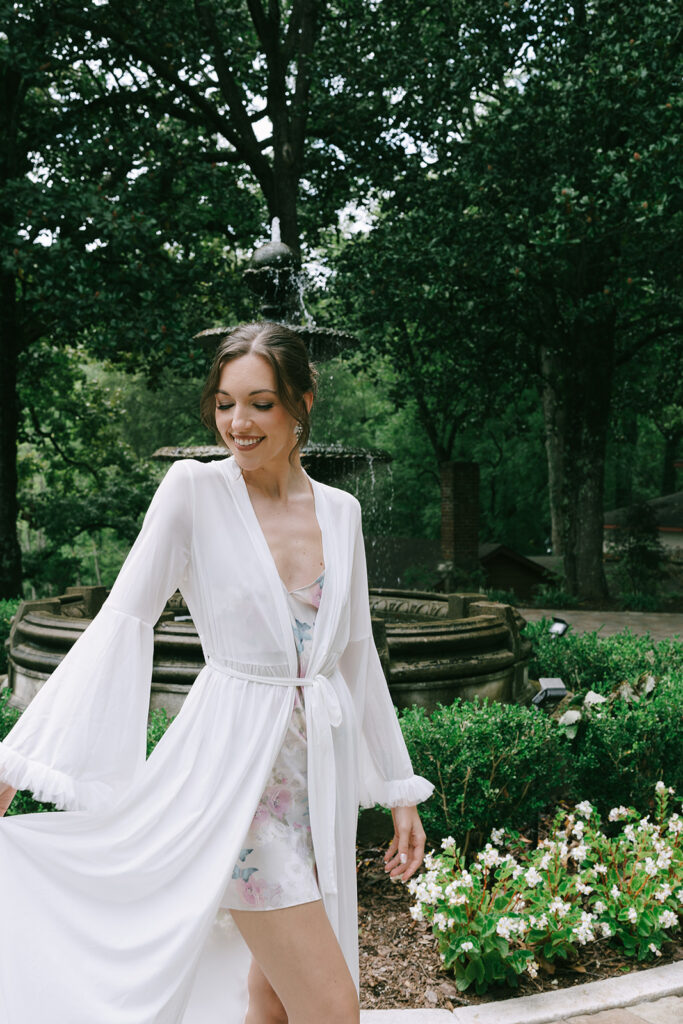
[559,627]
[552,690]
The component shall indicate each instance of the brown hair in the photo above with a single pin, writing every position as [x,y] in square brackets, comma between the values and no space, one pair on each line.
[285,351]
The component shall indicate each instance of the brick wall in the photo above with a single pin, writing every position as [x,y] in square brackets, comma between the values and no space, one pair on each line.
[460,514]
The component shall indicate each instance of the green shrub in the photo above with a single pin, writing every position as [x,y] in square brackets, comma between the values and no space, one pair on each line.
[623,748]
[7,609]
[594,662]
[510,912]
[549,595]
[491,764]
[156,727]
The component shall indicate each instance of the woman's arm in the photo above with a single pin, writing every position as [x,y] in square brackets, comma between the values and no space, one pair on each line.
[386,773]
[83,736]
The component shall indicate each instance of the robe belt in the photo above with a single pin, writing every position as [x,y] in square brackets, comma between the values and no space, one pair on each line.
[323,712]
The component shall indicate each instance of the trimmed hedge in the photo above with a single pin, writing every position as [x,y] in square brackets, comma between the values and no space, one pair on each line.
[594,662]
[492,764]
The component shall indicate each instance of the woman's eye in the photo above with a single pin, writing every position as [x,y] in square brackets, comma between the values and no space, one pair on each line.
[264,407]
[223,407]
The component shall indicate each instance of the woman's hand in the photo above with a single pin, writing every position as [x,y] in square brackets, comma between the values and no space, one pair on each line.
[407,848]
[6,797]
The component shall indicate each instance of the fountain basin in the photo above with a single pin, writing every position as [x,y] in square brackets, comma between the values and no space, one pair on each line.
[428,654]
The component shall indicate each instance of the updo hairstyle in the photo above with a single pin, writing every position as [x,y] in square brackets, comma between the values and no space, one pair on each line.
[286,352]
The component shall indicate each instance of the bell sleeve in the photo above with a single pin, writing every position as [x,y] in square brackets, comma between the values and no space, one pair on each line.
[385,771]
[82,739]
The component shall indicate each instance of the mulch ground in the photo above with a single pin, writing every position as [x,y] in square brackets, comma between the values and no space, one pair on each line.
[400,965]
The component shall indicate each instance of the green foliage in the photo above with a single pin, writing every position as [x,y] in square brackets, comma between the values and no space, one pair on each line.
[490,763]
[7,610]
[637,547]
[623,746]
[156,727]
[494,919]
[592,662]
[551,596]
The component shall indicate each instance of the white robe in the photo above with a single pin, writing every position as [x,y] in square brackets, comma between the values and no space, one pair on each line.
[108,911]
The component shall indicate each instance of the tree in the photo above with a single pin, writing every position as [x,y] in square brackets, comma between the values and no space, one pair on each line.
[556,211]
[108,232]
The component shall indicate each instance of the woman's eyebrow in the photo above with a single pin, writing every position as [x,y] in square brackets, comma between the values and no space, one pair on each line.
[258,392]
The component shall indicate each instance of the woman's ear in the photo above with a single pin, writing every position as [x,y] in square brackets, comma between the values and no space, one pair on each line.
[308,400]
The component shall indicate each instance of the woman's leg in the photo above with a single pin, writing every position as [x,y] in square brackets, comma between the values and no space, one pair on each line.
[299,975]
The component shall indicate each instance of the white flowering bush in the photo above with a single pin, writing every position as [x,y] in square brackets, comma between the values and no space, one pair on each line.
[512,909]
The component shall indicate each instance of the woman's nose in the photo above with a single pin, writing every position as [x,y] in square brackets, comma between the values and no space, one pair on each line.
[240,416]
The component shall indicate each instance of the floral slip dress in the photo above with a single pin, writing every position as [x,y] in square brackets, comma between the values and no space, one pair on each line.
[276,865]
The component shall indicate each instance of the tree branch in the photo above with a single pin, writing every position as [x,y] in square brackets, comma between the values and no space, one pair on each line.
[87,467]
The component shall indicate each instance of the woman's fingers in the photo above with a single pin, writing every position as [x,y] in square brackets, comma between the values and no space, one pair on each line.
[406,849]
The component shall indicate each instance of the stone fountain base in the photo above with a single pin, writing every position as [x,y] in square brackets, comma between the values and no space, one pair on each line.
[433,647]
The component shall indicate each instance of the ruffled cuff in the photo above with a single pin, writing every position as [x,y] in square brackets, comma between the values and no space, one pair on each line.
[397,792]
[49,785]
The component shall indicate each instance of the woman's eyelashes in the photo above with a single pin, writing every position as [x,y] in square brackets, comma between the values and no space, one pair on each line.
[261,408]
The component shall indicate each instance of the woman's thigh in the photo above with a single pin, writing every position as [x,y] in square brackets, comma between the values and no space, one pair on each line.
[300,956]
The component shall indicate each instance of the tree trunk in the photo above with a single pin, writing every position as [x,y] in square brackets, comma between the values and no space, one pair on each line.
[672,452]
[10,552]
[576,404]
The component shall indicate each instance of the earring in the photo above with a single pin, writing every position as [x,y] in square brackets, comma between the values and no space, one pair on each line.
[298,429]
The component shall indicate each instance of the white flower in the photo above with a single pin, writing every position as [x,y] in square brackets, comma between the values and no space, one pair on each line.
[545,861]
[532,968]
[630,833]
[599,907]
[660,787]
[679,894]
[653,949]
[416,913]
[532,877]
[518,905]
[579,829]
[668,919]
[448,843]
[650,867]
[606,929]
[585,889]
[466,947]
[632,915]
[614,893]
[559,907]
[617,813]
[489,856]
[440,922]
[664,860]
[584,930]
[517,871]
[538,922]
[593,698]
[600,869]
[585,808]
[429,859]
[579,852]
[675,825]
[497,835]
[507,926]
[663,893]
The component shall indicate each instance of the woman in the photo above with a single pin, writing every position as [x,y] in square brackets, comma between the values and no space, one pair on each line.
[113,905]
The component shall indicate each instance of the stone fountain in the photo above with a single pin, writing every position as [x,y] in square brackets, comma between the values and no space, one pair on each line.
[433,646]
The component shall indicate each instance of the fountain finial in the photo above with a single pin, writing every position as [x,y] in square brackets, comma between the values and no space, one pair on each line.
[275,230]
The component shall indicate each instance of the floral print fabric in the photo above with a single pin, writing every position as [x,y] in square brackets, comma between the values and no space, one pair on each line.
[276,865]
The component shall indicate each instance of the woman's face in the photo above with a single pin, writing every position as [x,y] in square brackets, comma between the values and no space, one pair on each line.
[250,417]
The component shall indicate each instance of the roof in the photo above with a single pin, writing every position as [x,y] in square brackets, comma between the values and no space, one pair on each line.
[487,552]
[668,513]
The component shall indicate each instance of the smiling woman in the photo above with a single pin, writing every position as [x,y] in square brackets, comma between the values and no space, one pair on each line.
[246,810]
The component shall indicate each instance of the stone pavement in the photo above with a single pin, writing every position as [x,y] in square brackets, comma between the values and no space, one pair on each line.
[660,625]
